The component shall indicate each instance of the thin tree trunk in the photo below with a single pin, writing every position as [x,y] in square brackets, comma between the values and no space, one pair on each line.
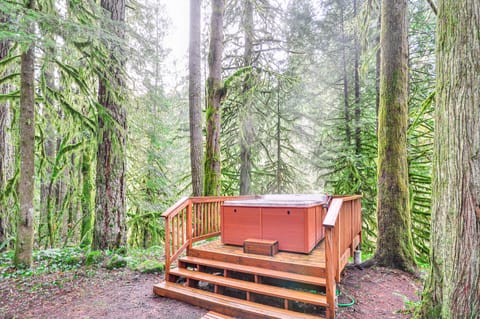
[453,288]
[49,151]
[358,110]
[87,199]
[24,241]
[346,109]
[279,143]
[215,93]
[6,152]
[110,228]
[195,99]
[246,129]
[394,244]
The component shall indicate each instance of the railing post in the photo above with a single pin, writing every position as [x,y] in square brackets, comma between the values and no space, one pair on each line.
[330,273]
[189,223]
[167,247]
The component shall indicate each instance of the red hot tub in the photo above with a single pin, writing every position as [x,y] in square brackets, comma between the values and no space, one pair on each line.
[296,221]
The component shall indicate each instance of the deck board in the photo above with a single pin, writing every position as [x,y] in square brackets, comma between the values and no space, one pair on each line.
[316,258]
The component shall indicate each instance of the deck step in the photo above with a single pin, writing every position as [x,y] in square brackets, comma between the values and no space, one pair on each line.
[224,304]
[304,279]
[285,262]
[273,291]
[215,315]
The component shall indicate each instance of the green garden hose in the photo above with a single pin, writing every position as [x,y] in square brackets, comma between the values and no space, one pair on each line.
[351,303]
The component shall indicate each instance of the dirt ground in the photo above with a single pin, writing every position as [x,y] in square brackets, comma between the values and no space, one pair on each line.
[378,293]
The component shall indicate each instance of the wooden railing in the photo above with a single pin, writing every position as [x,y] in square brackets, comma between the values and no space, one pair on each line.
[189,220]
[343,231]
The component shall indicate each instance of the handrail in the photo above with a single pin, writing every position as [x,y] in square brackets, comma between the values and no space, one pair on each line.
[332,214]
[334,209]
[189,220]
[181,203]
[342,235]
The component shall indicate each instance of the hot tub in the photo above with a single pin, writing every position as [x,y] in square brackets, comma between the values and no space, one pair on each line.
[296,221]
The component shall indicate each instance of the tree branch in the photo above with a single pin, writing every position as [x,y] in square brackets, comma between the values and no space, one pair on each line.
[433,6]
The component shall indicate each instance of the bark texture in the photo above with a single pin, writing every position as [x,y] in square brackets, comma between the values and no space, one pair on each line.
[26,182]
[246,125]
[453,287]
[394,245]
[215,93]
[110,228]
[6,152]
[195,98]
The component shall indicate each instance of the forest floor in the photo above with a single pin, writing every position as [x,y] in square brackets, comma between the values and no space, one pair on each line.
[100,293]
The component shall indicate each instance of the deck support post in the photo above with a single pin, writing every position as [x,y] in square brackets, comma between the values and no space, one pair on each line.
[330,273]
[357,257]
[167,247]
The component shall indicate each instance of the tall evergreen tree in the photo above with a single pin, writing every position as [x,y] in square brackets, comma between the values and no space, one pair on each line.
[246,131]
[195,97]
[453,287]
[394,245]
[110,228]
[215,94]
[26,183]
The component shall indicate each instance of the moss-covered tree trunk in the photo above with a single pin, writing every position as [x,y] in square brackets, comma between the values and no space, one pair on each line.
[110,228]
[215,92]
[26,182]
[453,287]
[195,97]
[394,244]
[87,199]
[246,125]
[6,151]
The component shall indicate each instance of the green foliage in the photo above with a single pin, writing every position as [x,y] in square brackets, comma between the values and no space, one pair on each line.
[45,261]
[115,261]
[150,267]
[139,256]
[93,257]
[421,124]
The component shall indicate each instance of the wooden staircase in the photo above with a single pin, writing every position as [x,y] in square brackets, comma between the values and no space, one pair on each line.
[226,280]
[245,291]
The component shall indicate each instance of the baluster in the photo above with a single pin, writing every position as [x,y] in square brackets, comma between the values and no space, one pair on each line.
[167,246]
[173,232]
[195,219]
[183,227]
[210,218]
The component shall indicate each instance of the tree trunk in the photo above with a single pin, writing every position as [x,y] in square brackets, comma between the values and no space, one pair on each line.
[6,152]
[110,228]
[246,129]
[453,287]
[87,199]
[377,73]
[195,98]
[358,110]
[215,93]
[346,108]
[26,183]
[394,244]
[279,144]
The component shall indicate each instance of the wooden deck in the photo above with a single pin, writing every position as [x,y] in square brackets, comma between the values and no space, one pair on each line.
[309,264]
[224,279]
[316,258]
